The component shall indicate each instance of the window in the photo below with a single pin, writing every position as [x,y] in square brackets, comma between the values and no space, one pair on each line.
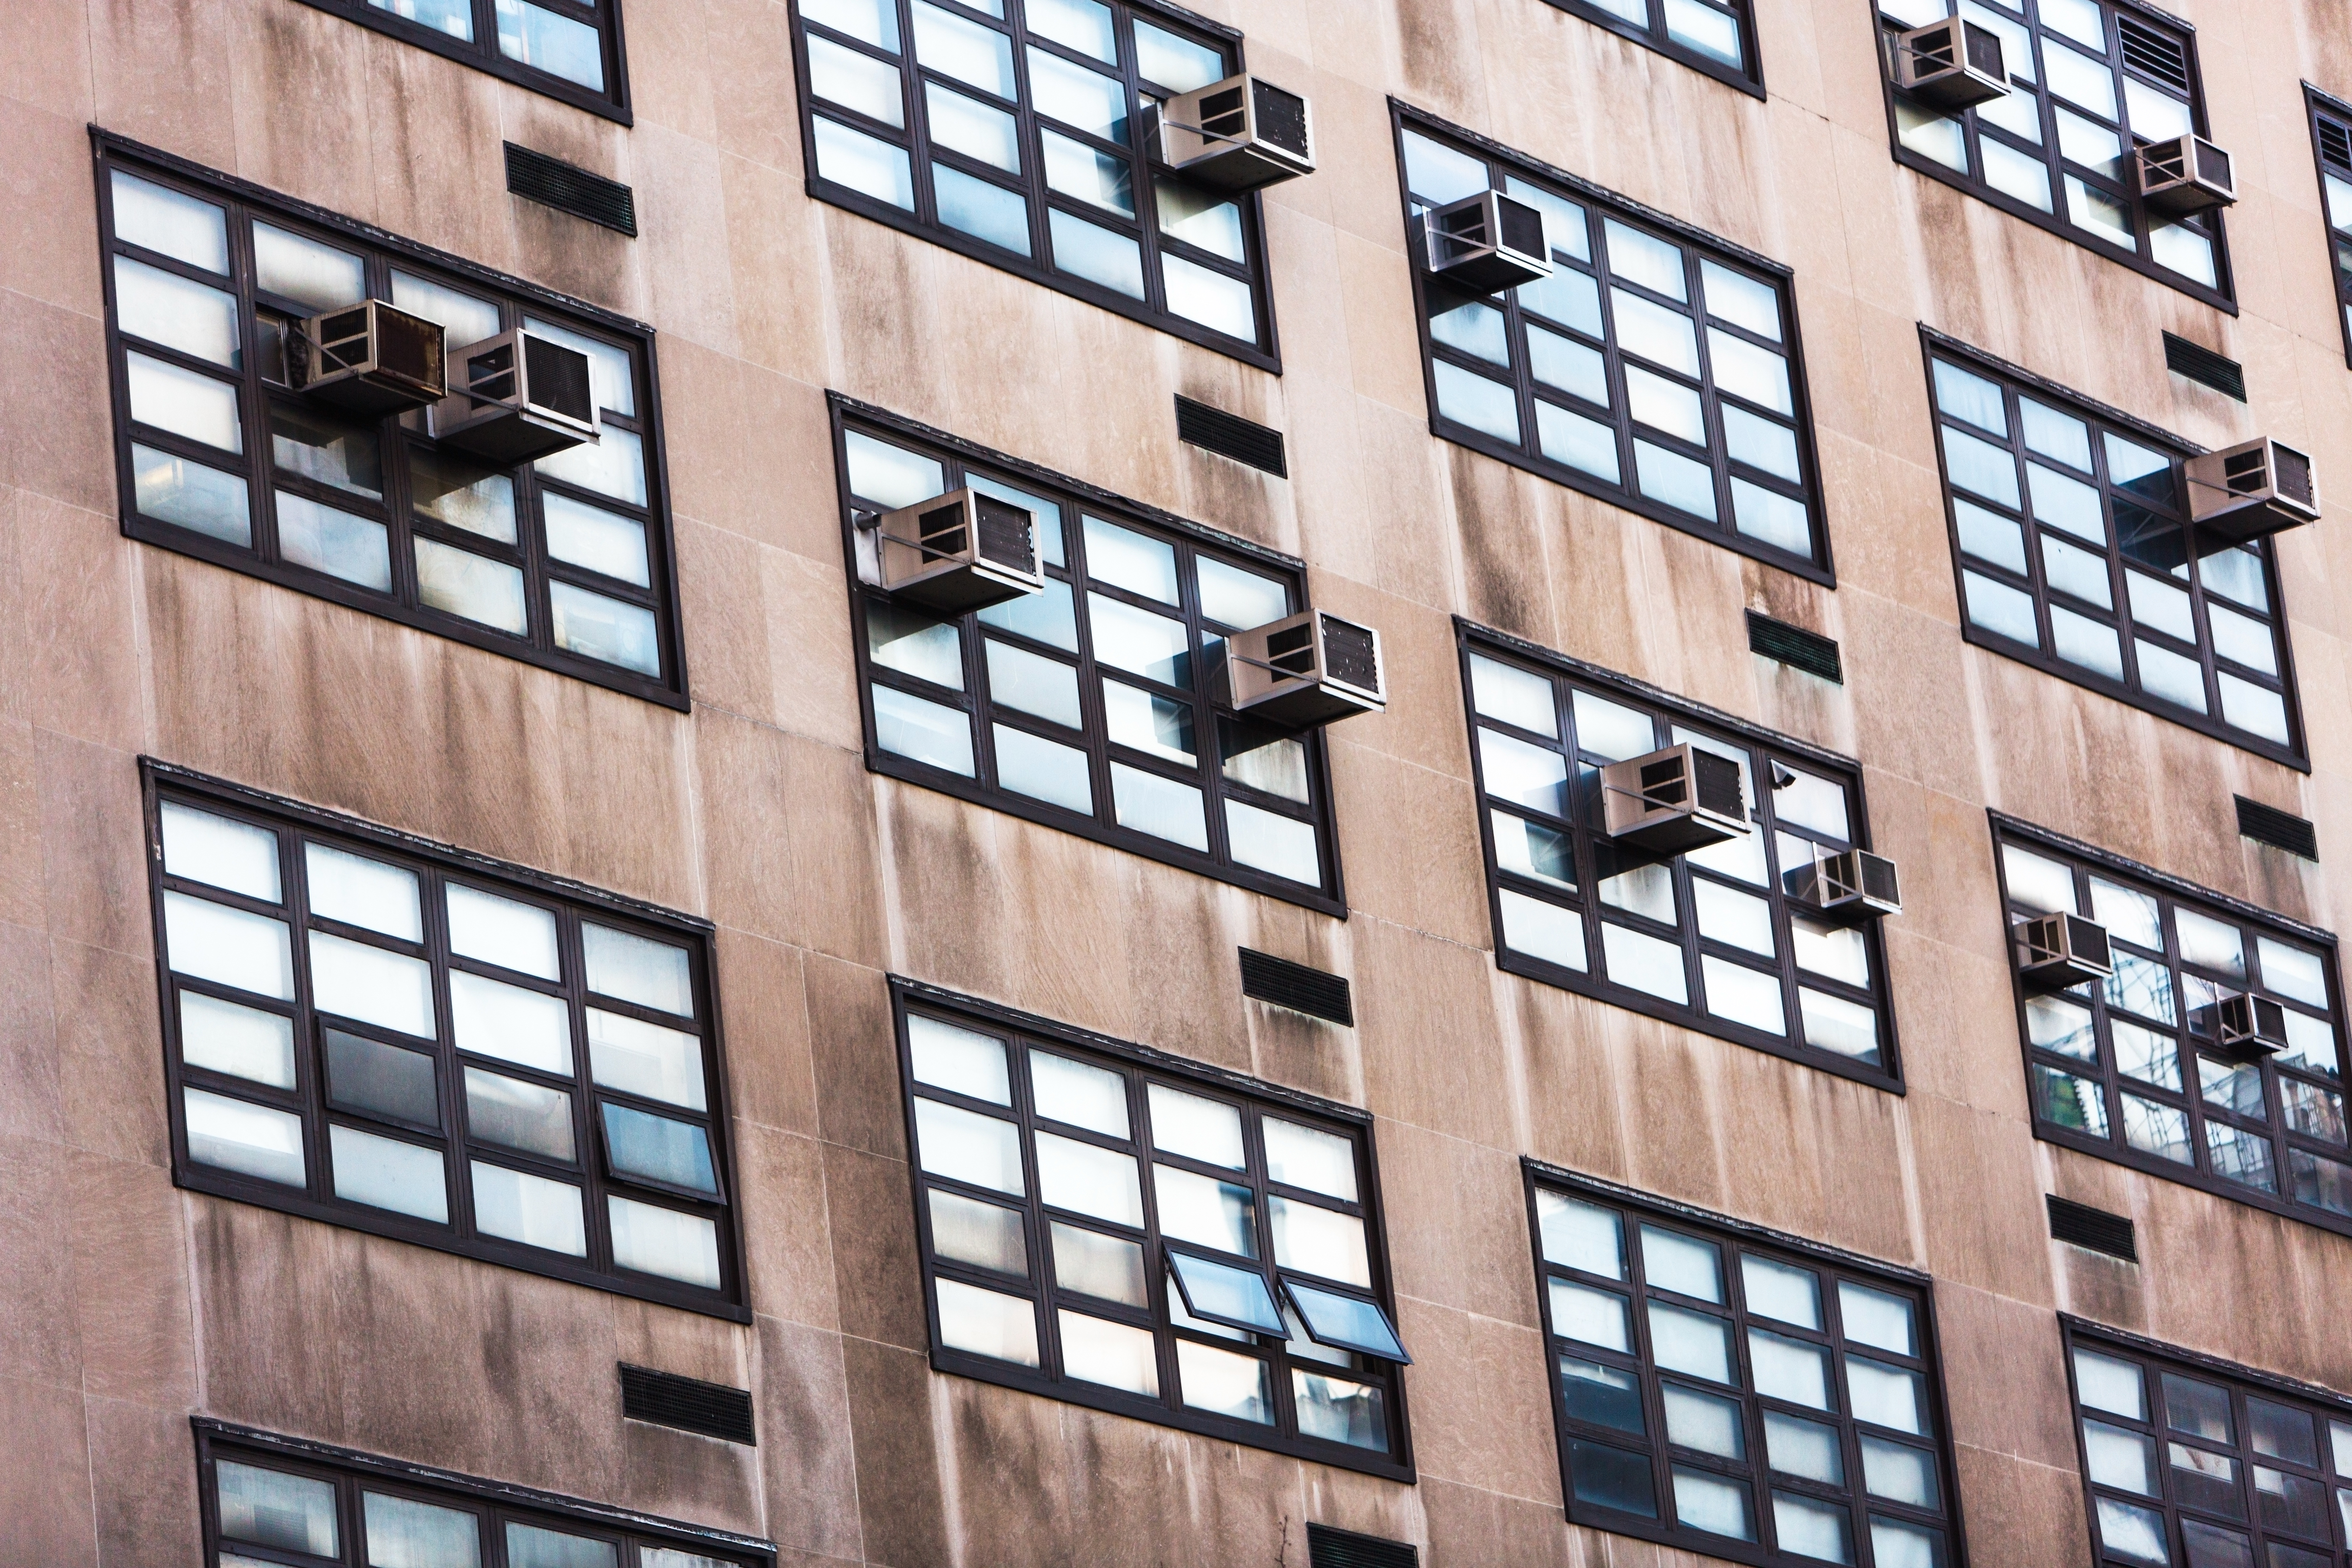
[269,1500]
[1735,1392]
[564,563]
[376,1033]
[568,50]
[1718,39]
[2130,1067]
[2331,130]
[2191,1460]
[1097,705]
[1013,131]
[1711,938]
[1111,1227]
[1655,368]
[2089,83]
[2075,556]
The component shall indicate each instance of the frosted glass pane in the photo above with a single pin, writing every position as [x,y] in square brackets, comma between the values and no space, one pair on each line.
[252,1139]
[637,968]
[492,1018]
[386,1173]
[229,854]
[964,1062]
[212,941]
[1205,1129]
[243,1041]
[655,1240]
[503,931]
[529,1209]
[164,219]
[359,891]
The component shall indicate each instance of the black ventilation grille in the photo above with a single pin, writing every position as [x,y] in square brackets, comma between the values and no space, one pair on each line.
[1794,646]
[2152,54]
[2335,144]
[1281,118]
[1231,436]
[2096,1229]
[2279,829]
[559,377]
[568,188]
[1329,1548]
[1298,988]
[2202,365]
[1351,654]
[667,1399]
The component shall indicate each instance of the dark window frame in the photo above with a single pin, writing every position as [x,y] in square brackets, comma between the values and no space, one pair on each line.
[1831,1264]
[1700,245]
[2273,1126]
[1562,669]
[1205,692]
[1934,345]
[2223,297]
[308,1099]
[923,223]
[1654,36]
[350,1469]
[381,252]
[1143,1065]
[484,55]
[2320,105]
[2155,1359]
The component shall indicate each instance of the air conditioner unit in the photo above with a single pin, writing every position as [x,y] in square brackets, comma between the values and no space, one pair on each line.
[2247,1027]
[515,397]
[1238,134]
[1951,64]
[1304,669]
[2064,951]
[1487,242]
[2251,490]
[1673,801]
[954,553]
[1853,884]
[2186,174]
[370,359]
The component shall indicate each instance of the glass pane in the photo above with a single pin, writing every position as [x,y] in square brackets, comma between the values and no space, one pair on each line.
[1704,1422]
[405,1533]
[1581,1235]
[1655,264]
[1095,254]
[1683,1340]
[1680,482]
[1476,329]
[1087,1179]
[981,208]
[327,539]
[1898,1471]
[529,1209]
[1085,99]
[1340,1411]
[1283,845]
[1305,1157]
[1644,963]
[184,402]
[977,131]
[1161,726]
[360,981]
[464,318]
[869,21]
[362,892]
[165,220]
[1710,1503]
[1613,1478]
[964,1062]
[655,1240]
[657,1149]
[226,853]
[1683,1264]
[2132,1533]
[1475,401]
[1813,1528]
[982,1234]
[1437,174]
[237,1135]
[1096,1264]
[368,1075]
[241,1041]
[1744,369]
[1796,1447]
[1886,1395]
[385,1173]
[646,1059]
[1113,1355]
[554,44]
[1781,1291]
[515,1114]
[1790,1369]
[1762,443]
[304,271]
[1042,770]
[215,943]
[1740,300]
[1320,1241]
[1876,1317]
[464,584]
[492,1018]
[2120,1459]
[1077,1094]
[1201,1209]
[272,1507]
[1150,803]
[968,1147]
[1515,696]
[1205,1129]
[1176,63]
[869,167]
[167,309]
[1101,179]
[173,490]
[503,931]
[1601,1394]
[1219,1291]
[1346,1322]
[529,1546]
[1542,930]
[855,80]
[1223,1383]
[2104,1382]
[1744,995]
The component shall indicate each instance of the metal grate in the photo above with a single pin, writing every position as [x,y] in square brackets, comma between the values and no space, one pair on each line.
[2080,1225]
[688,1403]
[1351,654]
[1794,646]
[2202,365]
[1231,436]
[2152,54]
[2279,829]
[1329,1548]
[2335,143]
[1281,118]
[1313,992]
[558,378]
[568,188]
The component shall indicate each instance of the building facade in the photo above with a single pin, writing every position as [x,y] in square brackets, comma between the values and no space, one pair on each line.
[596,976]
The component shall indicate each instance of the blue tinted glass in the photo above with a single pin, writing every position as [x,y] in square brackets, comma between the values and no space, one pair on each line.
[659,1150]
[1221,1290]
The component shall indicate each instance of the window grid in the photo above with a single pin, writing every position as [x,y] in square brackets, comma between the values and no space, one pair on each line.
[1059,1179]
[1716,39]
[2111,594]
[1011,130]
[1711,938]
[372,1075]
[268,1500]
[1063,708]
[2331,136]
[2114,1066]
[564,563]
[2189,1459]
[568,50]
[2089,82]
[1736,1393]
[1670,380]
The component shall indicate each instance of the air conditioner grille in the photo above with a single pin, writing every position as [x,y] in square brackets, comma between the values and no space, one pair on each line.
[2279,829]
[2213,165]
[688,1403]
[1005,535]
[1878,878]
[1938,49]
[2096,1229]
[1794,646]
[1984,51]
[1719,785]
[1663,784]
[2291,473]
[1329,1548]
[2202,365]
[1282,983]
[2152,54]
[1231,436]
[941,529]
[1224,114]
[558,378]
[2086,939]
[1281,118]
[1349,654]
[551,181]
[408,348]
[1522,226]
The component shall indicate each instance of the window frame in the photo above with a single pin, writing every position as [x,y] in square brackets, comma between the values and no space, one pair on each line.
[1750,82]
[2295,753]
[308,1099]
[1738,1236]
[915,137]
[1145,1066]
[1206,694]
[611,104]
[2277,1136]
[2156,1357]
[1701,246]
[1558,669]
[350,1469]
[2317,104]
[255,394]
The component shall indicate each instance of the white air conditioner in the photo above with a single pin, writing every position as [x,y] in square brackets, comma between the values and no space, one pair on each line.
[1951,64]
[2062,951]
[2254,488]
[1673,801]
[2247,1027]
[1304,669]
[1849,885]
[953,553]
[1238,134]
[1487,242]
[370,359]
[515,397]
[2186,174]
